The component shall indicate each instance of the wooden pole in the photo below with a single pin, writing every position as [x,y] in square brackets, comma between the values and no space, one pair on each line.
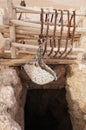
[13,37]
[35,48]
[10,8]
[36,27]
[38,11]
[12,15]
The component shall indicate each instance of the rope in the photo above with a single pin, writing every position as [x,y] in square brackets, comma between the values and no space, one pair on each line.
[24,5]
[40,40]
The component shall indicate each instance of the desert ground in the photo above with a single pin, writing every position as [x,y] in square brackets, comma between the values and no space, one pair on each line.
[77,4]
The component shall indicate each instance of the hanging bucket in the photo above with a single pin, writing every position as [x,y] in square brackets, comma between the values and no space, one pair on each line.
[38,71]
[40,75]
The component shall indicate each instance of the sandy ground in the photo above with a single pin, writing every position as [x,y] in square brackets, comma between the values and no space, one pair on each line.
[77,4]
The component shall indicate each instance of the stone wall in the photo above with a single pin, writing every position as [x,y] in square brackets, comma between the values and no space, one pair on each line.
[13,94]
[76,96]
[11,111]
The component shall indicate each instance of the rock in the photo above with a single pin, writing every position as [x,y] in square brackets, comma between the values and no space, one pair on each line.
[7,100]
[10,102]
[76,96]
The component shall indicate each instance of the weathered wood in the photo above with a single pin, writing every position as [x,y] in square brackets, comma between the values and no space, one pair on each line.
[60,61]
[27,34]
[27,37]
[14,62]
[13,37]
[35,48]
[35,28]
[22,53]
[38,10]
[45,23]
[26,53]
[12,15]
[10,8]
[19,62]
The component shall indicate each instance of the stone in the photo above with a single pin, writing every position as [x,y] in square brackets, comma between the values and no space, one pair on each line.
[76,95]
[7,100]
[10,102]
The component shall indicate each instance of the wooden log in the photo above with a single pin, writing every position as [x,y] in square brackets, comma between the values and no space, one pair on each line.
[27,31]
[38,10]
[20,54]
[10,8]
[19,62]
[35,48]
[23,53]
[14,62]
[33,25]
[24,32]
[35,28]
[12,15]
[13,37]
[28,37]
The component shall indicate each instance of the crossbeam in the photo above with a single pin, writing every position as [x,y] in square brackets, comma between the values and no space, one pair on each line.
[35,48]
[36,27]
[32,10]
[19,62]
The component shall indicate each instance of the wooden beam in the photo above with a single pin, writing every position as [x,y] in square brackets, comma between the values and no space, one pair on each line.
[35,28]
[27,31]
[35,48]
[21,33]
[38,10]
[13,37]
[45,23]
[19,62]
[14,62]
[12,15]
[10,8]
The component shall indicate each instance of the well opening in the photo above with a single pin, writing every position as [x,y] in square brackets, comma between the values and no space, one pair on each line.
[47,109]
